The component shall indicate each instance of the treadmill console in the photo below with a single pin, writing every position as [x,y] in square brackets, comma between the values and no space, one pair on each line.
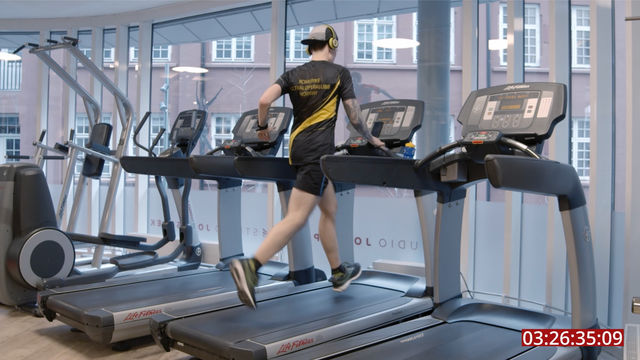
[244,132]
[525,112]
[393,121]
[186,130]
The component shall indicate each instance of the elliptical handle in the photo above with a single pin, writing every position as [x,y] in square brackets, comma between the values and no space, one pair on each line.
[19,48]
[72,134]
[141,123]
[42,135]
[71,40]
[137,131]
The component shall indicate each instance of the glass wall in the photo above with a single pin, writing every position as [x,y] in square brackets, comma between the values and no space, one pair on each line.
[233,47]
[378,74]
[18,104]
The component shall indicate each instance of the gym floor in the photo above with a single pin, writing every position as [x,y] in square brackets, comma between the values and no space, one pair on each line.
[24,336]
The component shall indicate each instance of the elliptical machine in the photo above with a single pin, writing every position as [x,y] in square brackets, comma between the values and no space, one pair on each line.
[35,254]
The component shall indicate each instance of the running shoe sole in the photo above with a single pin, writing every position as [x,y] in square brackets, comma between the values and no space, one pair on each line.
[238,275]
[342,287]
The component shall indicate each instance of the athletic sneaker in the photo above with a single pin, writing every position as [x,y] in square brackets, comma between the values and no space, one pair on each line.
[244,273]
[342,277]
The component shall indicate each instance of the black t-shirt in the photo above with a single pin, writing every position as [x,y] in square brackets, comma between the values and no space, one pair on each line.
[315,90]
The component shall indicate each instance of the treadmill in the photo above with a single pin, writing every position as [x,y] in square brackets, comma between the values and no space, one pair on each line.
[503,131]
[307,315]
[119,309]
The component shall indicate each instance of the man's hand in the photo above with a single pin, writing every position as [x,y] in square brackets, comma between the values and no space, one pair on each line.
[264,134]
[376,142]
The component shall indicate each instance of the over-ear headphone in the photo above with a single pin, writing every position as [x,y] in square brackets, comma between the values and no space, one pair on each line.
[332,38]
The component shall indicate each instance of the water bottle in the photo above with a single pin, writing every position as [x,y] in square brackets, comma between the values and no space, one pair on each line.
[409,150]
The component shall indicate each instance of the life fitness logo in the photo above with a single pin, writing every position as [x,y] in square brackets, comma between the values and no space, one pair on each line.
[294,345]
[137,315]
[516,87]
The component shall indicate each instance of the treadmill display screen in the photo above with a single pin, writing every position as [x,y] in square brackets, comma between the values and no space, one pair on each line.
[386,121]
[513,110]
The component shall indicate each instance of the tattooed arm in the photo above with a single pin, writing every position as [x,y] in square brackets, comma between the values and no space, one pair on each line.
[352,108]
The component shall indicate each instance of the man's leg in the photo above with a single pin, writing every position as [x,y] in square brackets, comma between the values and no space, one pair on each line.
[301,205]
[244,271]
[341,273]
[327,225]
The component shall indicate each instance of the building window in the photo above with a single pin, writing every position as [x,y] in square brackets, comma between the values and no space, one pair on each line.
[82,132]
[159,53]
[222,127]
[580,149]
[133,54]
[531,34]
[10,74]
[452,37]
[159,121]
[9,136]
[108,55]
[580,32]
[294,49]
[234,49]
[368,30]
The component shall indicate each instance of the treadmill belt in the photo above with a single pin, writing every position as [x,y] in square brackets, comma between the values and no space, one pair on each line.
[459,340]
[143,294]
[281,318]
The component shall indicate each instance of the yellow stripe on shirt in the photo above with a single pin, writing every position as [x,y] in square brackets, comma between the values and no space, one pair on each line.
[327,111]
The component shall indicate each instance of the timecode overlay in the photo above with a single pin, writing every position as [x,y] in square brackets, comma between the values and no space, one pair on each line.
[572,337]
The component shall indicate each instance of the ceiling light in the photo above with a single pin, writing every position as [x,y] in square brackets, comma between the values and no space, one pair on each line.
[190,69]
[497,44]
[396,43]
[7,56]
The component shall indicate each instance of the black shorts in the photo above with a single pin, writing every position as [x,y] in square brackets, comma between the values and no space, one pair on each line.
[309,178]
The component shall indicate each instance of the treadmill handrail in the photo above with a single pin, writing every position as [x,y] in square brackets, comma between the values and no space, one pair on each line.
[537,176]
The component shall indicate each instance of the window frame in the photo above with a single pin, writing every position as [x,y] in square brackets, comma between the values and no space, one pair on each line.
[578,124]
[6,135]
[234,49]
[291,42]
[502,30]
[374,49]
[574,40]
[232,119]
[10,74]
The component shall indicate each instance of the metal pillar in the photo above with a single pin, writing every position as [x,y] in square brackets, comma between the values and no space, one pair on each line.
[602,153]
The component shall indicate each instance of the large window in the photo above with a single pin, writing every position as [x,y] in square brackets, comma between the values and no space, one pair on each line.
[234,49]
[10,74]
[531,34]
[222,125]
[580,146]
[107,54]
[160,53]
[294,50]
[366,32]
[9,136]
[580,32]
